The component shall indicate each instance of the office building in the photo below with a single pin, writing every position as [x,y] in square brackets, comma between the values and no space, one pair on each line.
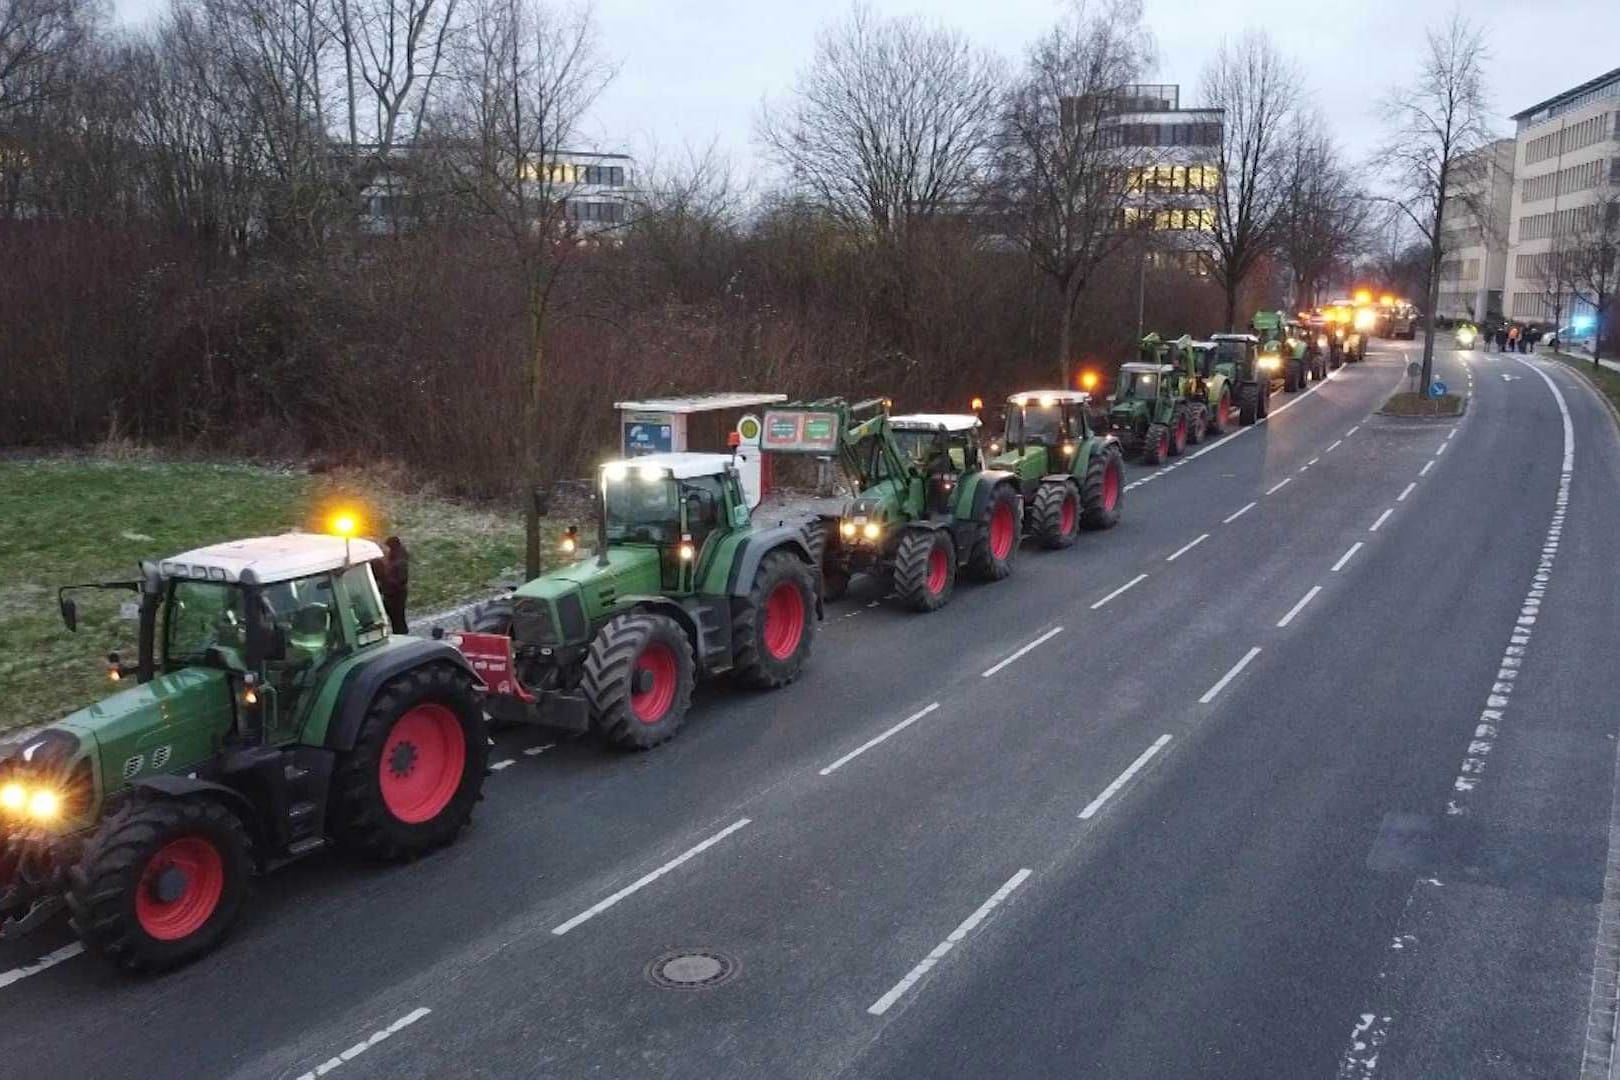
[1478,205]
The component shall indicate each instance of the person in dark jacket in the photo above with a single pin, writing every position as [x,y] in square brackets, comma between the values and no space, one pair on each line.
[394,581]
[1501,338]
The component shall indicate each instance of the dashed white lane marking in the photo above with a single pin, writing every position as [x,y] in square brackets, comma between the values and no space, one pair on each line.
[499,765]
[1427,465]
[1352,431]
[647,879]
[1381,519]
[1311,462]
[1333,446]
[1186,548]
[1123,778]
[1043,639]
[874,741]
[1450,433]
[1279,486]
[1137,580]
[361,1047]
[1297,608]
[536,751]
[1209,695]
[1440,450]
[883,1004]
[1406,491]
[1240,513]
[1355,547]
[49,960]
[873,603]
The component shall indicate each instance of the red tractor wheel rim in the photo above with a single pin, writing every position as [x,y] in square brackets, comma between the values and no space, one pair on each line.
[1067,516]
[201,873]
[1164,443]
[1226,410]
[1110,485]
[784,620]
[1002,531]
[422,763]
[939,569]
[658,662]
[1181,431]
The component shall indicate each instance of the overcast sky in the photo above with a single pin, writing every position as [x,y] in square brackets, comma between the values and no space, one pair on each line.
[696,71]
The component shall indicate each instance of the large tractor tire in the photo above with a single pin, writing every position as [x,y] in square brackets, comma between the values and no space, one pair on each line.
[1055,513]
[1103,489]
[997,544]
[494,617]
[1293,377]
[1155,444]
[161,882]
[1248,404]
[638,680]
[773,627]
[925,569]
[1197,423]
[1220,418]
[417,768]
[1180,427]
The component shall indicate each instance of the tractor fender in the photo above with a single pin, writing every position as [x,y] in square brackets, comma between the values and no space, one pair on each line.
[760,544]
[179,786]
[363,682]
[654,604]
[973,503]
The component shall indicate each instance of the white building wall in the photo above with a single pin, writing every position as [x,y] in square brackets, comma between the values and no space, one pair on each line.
[1473,272]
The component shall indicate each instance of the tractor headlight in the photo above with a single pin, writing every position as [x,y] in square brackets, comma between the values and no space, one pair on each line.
[44,804]
[872,530]
[13,797]
[995,446]
[1365,318]
[1270,362]
[1321,341]
[1068,449]
[847,528]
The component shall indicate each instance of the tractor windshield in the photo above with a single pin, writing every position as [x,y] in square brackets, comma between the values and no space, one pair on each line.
[1041,424]
[1231,352]
[932,451]
[202,615]
[641,510]
[1140,386]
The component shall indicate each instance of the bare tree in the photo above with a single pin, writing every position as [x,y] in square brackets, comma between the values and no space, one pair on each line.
[1063,177]
[1323,215]
[524,76]
[1441,118]
[1257,89]
[1591,263]
[36,38]
[890,124]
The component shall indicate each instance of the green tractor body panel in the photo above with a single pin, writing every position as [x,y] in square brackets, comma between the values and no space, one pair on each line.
[1149,397]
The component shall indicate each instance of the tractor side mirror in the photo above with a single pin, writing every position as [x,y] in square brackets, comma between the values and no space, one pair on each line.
[70,614]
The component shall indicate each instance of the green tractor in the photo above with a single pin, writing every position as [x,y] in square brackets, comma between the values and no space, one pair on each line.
[1070,475]
[1149,413]
[683,584]
[1248,374]
[268,713]
[924,505]
[1211,379]
[1283,340]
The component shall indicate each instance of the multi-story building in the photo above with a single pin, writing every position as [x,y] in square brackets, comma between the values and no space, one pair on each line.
[595,191]
[1567,157]
[1172,189]
[1475,239]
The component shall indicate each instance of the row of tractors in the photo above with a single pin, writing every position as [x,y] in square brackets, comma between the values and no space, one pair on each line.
[271,713]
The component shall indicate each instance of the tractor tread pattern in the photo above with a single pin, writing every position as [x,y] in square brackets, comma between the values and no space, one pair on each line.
[490,617]
[361,820]
[1093,515]
[981,563]
[609,666]
[1155,444]
[100,893]
[911,569]
[1046,513]
[754,665]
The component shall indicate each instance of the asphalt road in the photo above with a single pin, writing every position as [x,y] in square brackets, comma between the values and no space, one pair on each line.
[1305,769]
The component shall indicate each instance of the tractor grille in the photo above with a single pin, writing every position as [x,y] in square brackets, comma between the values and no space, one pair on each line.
[531,623]
[571,612]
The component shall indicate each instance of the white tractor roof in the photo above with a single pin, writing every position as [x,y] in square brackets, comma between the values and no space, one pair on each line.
[1202,344]
[934,422]
[697,403]
[1037,397]
[681,465]
[1234,337]
[1152,369]
[263,560]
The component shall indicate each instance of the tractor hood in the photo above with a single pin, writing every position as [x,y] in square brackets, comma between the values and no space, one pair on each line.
[1026,464]
[561,607]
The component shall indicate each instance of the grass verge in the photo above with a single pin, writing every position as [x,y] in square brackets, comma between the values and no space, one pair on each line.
[1407,403]
[1606,380]
[65,520]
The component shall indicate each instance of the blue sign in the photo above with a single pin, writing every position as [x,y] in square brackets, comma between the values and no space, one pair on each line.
[1437,389]
[642,437]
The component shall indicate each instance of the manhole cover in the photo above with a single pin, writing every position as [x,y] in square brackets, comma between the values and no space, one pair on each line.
[692,969]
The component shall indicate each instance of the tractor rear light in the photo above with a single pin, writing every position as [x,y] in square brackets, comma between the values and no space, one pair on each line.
[687,549]
[250,689]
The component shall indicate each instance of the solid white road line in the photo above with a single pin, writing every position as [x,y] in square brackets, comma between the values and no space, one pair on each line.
[868,744]
[1355,547]
[1137,580]
[361,1047]
[1352,431]
[499,765]
[1209,695]
[1186,548]
[1427,465]
[1334,446]
[1381,519]
[1297,608]
[1123,778]
[1240,513]
[883,1004]
[647,879]
[1278,487]
[1043,639]
[49,960]
[1408,490]
[536,751]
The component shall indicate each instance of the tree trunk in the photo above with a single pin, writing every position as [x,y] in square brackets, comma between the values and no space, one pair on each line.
[1071,293]
[533,470]
[1231,306]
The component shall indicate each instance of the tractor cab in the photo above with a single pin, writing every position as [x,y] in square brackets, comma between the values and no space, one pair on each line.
[942,446]
[1144,383]
[1044,418]
[663,510]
